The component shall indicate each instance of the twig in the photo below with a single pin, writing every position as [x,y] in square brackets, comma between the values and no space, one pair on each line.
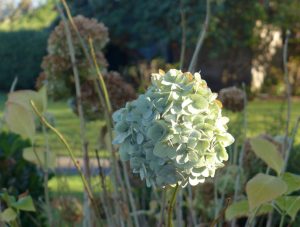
[200,39]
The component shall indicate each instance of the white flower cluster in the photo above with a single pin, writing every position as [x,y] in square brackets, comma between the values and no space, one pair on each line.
[175,132]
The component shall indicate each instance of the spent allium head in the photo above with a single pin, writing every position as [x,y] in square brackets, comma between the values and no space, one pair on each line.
[175,132]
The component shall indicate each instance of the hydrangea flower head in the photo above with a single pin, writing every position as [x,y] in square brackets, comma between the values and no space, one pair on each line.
[175,132]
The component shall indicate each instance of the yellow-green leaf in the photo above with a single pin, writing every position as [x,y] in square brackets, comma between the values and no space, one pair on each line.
[20,120]
[241,209]
[264,188]
[23,98]
[24,203]
[292,181]
[289,204]
[268,153]
[38,158]
[8,215]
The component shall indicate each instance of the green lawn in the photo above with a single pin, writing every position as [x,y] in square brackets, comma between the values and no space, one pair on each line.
[263,117]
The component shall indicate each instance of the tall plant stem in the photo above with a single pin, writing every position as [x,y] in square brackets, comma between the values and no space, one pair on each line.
[171,206]
[282,220]
[200,39]
[242,153]
[84,143]
[46,177]
[286,143]
[183,35]
[71,154]
[108,112]
[288,98]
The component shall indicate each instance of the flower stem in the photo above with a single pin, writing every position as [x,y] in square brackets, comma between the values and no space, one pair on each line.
[282,220]
[171,206]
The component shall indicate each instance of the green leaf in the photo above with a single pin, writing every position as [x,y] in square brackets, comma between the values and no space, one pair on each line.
[8,215]
[20,120]
[292,181]
[38,158]
[264,188]
[289,204]
[241,209]
[24,203]
[268,153]
[23,98]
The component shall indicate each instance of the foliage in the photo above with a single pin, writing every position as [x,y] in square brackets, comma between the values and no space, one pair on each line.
[13,207]
[162,20]
[20,53]
[17,174]
[30,19]
[174,133]
[265,189]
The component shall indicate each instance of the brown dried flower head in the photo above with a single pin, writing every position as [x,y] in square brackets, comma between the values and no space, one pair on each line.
[118,90]
[57,66]
[232,98]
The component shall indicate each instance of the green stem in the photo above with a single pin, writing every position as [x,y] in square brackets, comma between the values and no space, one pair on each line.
[282,220]
[171,206]
[46,176]
[76,164]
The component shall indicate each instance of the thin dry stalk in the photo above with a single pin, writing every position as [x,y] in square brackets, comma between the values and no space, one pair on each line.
[200,39]
[84,142]
[286,144]
[183,35]
[104,196]
[71,154]
[242,153]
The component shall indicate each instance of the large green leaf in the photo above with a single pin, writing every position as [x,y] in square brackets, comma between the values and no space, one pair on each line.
[264,188]
[289,204]
[38,158]
[241,209]
[292,181]
[8,215]
[268,153]
[24,203]
[20,120]
[23,98]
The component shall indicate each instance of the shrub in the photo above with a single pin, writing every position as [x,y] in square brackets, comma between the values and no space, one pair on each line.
[21,53]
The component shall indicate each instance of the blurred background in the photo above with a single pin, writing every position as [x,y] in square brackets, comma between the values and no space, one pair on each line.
[241,57]
[243,43]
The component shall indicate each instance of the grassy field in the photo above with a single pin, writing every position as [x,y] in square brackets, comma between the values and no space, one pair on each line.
[263,116]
